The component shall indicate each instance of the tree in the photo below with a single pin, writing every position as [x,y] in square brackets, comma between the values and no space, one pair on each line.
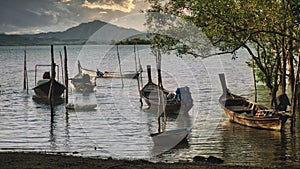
[268,30]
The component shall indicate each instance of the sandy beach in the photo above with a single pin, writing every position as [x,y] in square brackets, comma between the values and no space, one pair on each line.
[9,160]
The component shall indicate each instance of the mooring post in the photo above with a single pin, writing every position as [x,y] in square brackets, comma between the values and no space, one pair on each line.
[120,65]
[50,94]
[138,76]
[25,82]
[66,76]
[161,89]
[62,68]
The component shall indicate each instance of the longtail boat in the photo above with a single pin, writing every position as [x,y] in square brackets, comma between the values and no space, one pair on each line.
[175,101]
[249,113]
[106,74]
[43,86]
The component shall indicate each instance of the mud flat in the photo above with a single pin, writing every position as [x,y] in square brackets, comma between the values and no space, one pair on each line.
[41,161]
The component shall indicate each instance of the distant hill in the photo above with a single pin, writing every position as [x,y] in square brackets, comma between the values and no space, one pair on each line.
[95,32]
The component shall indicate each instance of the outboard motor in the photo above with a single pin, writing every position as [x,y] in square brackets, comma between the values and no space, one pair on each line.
[183,94]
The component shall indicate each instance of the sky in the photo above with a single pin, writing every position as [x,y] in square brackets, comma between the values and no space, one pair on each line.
[36,16]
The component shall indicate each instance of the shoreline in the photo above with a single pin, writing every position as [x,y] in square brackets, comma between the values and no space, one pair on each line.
[39,160]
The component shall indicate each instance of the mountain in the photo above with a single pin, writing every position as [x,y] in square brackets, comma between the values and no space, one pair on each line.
[95,32]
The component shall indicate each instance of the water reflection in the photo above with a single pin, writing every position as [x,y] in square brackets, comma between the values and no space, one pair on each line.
[59,131]
[52,136]
[67,130]
[245,145]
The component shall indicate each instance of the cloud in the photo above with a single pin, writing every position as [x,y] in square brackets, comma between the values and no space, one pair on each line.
[33,16]
[19,15]
[114,5]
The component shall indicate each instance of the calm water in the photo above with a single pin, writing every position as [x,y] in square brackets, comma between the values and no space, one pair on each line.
[118,127]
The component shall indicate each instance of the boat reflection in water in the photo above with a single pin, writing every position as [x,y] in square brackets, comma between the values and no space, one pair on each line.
[243,145]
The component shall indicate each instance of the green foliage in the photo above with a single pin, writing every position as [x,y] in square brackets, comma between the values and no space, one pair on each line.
[172,33]
[265,28]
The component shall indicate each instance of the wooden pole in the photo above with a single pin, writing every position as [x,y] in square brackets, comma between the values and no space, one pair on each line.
[25,82]
[138,78]
[50,94]
[161,89]
[66,76]
[140,69]
[62,68]
[161,105]
[120,65]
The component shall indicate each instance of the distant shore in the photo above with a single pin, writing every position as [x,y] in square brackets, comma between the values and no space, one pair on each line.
[17,160]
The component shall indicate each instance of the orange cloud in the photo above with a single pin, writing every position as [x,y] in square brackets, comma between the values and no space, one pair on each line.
[125,6]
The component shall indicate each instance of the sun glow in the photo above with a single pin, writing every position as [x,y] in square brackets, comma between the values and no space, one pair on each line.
[126,6]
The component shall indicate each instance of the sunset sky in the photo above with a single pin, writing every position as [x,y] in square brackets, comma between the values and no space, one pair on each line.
[35,16]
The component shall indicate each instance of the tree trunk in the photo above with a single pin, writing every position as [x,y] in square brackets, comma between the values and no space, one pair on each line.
[283,69]
[294,96]
[291,67]
[254,81]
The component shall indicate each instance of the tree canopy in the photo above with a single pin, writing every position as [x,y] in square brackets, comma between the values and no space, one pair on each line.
[268,30]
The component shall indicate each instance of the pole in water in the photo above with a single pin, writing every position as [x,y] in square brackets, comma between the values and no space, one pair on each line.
[138,78]
[66,76]
[120,65]
[62,67]
[50,94]
[25,85]
[140,68]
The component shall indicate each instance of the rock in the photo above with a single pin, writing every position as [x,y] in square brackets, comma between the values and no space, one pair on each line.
[199,159]
[214,160]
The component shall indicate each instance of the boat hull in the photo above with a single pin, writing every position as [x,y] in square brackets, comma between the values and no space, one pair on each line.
[82,84]
[93,74]
[169,139]
[42,90]
[246,114]
[132,75]
[150,96]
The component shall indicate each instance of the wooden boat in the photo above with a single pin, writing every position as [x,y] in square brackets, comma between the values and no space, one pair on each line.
[43,87]
[82,83]
[181,99]
[249,113]
[105,74]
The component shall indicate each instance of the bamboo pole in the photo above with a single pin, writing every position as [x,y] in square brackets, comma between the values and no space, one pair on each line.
[140,68]
[62,68]
[138,78]
[25,82]
[161,105]
[161,88]
[120,65]
[66,76]
[50,94]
